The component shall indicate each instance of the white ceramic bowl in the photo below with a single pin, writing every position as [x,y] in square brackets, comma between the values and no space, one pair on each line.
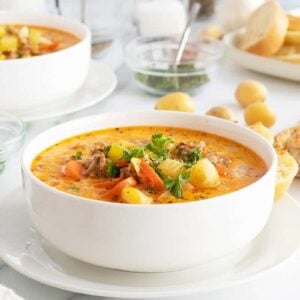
[154,238]
[32,82]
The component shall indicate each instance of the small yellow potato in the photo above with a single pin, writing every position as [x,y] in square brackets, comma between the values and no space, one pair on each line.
[170,167]
[260,112]
[222,112]
[176,101]
[250,91]
[134,196]
[259,128]
[204,174]
[286,171]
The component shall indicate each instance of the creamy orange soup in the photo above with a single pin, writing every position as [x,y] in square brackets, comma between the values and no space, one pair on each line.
[147,165]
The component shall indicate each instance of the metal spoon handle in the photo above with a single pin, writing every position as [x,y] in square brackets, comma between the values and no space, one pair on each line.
[185,36]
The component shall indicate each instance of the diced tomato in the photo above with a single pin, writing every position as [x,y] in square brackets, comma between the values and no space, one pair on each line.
[149,177]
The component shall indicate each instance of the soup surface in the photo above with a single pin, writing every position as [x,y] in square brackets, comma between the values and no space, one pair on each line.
[144,165]
[21,41]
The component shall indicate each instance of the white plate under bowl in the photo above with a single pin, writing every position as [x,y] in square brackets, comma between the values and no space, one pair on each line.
[23,250]
[99,84]
[261,64]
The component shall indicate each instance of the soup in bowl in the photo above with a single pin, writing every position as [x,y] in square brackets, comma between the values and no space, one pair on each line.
[45,56]
[158,193]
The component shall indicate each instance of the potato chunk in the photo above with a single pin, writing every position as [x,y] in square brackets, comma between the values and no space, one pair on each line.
[134,196]
[115,152]
[170,167]
[8,43]
[204,174]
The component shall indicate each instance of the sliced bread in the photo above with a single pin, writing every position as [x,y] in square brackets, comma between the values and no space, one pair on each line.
[294,22]
[265,30]
[292,38]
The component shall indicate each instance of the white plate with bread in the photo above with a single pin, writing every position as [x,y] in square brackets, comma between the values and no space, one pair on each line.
[269,44]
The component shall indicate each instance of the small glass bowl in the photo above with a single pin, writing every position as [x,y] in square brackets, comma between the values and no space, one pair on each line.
[12,131]
[152,62]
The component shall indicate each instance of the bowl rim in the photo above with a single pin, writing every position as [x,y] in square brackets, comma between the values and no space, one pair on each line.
[86,30]
[272,168]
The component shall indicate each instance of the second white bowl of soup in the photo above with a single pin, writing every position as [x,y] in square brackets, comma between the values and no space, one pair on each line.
[156,193]
[43,58]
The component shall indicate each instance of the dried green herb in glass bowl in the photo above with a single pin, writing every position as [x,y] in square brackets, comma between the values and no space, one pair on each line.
[171,83]
[151,60]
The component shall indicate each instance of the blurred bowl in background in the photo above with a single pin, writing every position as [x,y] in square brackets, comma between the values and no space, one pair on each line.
[32,82]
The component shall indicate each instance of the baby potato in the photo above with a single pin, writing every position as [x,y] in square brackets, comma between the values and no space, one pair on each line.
[204,174]
[259,128]
[176,101]
[134,196]
[250,91]
[222,112]
[260,112]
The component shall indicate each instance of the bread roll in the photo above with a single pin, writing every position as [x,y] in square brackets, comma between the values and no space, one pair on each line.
[266,29]
[294,22]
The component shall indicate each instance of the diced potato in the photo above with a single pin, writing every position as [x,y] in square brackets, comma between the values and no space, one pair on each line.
[2,31]
[259,128]
[8,43]
[204,174]
[136,162]
[170,167]
[34,36]
[134,196]
[115,152]
[286,171]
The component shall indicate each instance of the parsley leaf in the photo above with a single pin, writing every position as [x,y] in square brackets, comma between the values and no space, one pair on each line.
[113,171]
[136,152]
[174,185]
[158,146]
[77,155]
[193,157]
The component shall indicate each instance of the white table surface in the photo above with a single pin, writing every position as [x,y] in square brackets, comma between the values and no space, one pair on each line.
[281,283]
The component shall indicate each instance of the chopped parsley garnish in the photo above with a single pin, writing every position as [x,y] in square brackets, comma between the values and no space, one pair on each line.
[192,158]
[113,171]
[174,185]
[136,152]
[158,146]
[77,155]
